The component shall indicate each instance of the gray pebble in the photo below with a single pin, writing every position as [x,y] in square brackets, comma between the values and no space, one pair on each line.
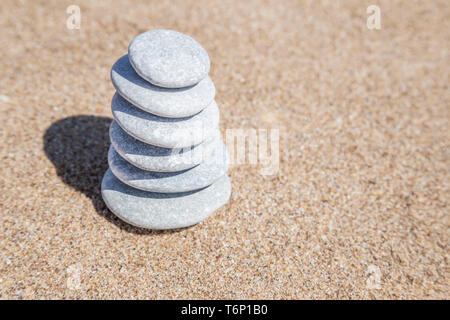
[161,210]
[165,132]
[148,157]
[164,102]
[195,178]
[168,58]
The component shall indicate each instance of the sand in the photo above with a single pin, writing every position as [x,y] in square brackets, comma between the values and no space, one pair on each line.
[358,208]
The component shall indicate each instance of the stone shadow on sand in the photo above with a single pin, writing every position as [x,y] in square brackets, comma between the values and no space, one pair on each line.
[78,148]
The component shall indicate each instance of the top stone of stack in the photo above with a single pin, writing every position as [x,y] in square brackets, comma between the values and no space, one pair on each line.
[168,59]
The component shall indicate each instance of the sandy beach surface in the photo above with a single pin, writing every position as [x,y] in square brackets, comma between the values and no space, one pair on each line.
[359,206]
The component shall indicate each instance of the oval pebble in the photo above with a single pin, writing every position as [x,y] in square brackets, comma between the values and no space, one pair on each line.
[161,210]
[153,158]
[195,178]
[165,132]
[164,102]
[168,58]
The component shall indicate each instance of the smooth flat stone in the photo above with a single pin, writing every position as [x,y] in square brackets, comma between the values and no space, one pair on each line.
[195,178]
[164,102]
[168,58]
[161,210]
[165,132]
[148,157]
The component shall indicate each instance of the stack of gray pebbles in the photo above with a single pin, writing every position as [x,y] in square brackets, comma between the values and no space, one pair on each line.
[167,162]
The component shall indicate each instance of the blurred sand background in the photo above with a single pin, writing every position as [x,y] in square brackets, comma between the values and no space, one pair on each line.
[358,209]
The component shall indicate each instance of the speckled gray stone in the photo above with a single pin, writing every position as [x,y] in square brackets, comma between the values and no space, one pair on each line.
[164,102]
[165,132]
[168,58]
[195,178]
[148,157]
[162,210]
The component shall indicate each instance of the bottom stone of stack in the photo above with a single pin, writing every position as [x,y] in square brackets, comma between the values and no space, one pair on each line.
[153,210]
